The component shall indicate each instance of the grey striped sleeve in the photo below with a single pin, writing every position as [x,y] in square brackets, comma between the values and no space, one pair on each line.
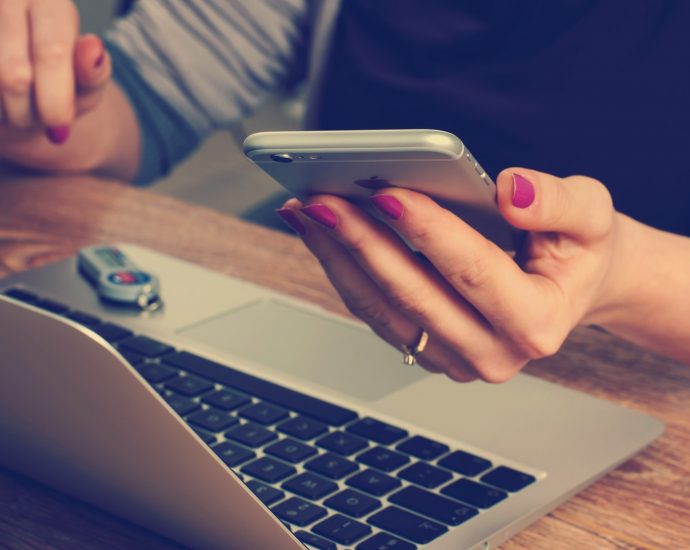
[210,61]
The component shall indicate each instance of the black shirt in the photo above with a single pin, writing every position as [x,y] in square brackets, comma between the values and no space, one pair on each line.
[593,87]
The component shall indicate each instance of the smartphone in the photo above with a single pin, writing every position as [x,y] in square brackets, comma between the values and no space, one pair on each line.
[355,163]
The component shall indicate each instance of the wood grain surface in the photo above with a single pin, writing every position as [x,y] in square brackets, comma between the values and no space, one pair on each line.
[643,504]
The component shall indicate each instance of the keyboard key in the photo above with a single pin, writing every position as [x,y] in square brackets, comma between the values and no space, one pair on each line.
[132,358]
[111,332]
[353,503]
[298,511]
[384,541]
[315,542]
[474,493]
[251,435]
[206,437]
[407,525]
[268,469]
[191,386]
[267,494]
[508,479]
[146,346]
[377,431]
[383,459]
[290,399]
[302,427]
[422,447]
[432,505]
[181,405]
[53,307]
[233,454]
[341,529]
[373,482]
[83,318]
[21,295]
[291,450]
[331,466]
[342,443]
[264,413]
[425,475]
[212,420]
[310,486]
[226,400]
[465,463]
[156,373]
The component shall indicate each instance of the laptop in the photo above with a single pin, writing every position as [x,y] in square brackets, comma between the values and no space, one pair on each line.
[239,417]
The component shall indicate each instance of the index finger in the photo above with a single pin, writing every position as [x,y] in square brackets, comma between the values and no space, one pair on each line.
[474,266]
[54,31]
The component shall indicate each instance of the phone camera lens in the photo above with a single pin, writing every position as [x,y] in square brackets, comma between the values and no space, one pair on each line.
[281,157]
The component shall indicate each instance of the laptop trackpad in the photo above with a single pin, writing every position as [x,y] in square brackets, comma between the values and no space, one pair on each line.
[300,342]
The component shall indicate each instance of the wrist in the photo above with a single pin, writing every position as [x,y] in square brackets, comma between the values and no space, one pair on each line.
[619,296]
[104,141]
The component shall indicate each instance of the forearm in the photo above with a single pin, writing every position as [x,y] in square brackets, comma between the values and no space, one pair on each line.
[651,304]
[104,141]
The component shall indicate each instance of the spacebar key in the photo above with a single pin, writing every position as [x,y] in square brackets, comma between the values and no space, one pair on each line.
[408,525]
[299,402]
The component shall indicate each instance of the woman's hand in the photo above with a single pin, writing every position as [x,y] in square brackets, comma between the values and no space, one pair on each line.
[486,313]
[49,75]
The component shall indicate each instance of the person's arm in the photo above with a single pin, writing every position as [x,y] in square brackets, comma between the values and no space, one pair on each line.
[190,67]
[650,302]
[182,69]
[487,314]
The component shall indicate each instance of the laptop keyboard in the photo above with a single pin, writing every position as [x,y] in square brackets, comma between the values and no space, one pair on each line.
[334,478]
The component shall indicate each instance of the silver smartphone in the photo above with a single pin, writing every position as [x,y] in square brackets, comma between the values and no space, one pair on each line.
[354,163]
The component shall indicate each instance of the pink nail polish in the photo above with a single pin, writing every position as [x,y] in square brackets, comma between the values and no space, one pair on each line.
[291,219]
[389,205]
[101,58]
[320,213]
[58,134]
[523,191]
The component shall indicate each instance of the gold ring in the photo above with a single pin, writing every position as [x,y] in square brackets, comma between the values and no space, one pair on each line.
[411,352]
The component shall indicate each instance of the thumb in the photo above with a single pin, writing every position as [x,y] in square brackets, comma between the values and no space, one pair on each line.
[576,206]
[92,65]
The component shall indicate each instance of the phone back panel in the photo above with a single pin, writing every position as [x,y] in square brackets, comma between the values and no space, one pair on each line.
[355,164]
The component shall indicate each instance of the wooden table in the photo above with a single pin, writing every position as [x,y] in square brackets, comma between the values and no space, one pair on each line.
[643,504]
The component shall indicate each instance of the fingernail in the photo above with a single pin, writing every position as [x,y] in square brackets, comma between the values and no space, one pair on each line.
[523,191]
[321,214]
[389,205]
[99,61]
[58,134]
[101,58]
[291,219]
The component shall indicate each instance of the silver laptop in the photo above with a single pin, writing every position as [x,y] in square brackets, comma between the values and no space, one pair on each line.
[238,417]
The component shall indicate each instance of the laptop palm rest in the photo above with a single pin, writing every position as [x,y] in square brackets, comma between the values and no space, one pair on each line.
[304,343]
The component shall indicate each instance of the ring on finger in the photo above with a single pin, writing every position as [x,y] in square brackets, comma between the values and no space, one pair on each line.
[410,352]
